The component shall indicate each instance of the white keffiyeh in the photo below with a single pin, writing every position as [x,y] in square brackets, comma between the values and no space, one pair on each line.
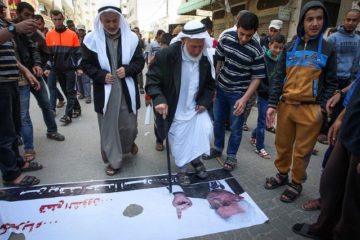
[96,41]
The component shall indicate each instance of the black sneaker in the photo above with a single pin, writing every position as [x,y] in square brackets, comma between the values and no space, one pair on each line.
[55,136]
[88,100]
[213,154]
[76,113]
[66,120]
[142,91]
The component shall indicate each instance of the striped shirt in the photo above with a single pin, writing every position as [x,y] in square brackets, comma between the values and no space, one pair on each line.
[242,63]
[9,70]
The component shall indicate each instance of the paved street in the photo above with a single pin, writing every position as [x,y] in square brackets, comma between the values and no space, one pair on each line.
[78,159]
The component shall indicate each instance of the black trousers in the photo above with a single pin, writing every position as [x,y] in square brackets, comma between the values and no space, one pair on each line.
[10,159]
[340,197]
[67,80]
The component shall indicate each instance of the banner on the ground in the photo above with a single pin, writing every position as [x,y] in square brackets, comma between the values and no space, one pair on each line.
[134,208]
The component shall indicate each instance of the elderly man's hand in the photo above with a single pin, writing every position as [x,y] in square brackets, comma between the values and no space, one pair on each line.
[162,109]
[109,79]
[120,72]
[200,108]
[181,203]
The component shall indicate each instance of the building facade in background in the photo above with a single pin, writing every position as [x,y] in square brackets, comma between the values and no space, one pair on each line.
[223,12]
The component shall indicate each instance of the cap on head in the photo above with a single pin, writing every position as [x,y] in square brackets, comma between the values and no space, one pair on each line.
[193,27]
[81,27]
[277,24]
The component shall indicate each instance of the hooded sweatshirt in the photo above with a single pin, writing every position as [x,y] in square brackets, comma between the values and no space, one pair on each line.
[306,71]
[347,47]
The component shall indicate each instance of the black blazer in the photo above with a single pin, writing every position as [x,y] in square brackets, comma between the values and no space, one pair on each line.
[91,66]
[164,78]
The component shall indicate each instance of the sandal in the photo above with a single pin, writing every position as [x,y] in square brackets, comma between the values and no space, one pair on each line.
[29,155]
[31,166]
[134,149]
[291,193]
[26,181]
[303,229]
[159,147]
[277,181]
[253,141]
[229,164]
[111,171]
[263,153]
[311,205]
[183,179]
[200,169]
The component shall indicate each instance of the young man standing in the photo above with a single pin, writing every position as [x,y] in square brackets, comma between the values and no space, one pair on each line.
[239,77]
[305,79]
[65,53]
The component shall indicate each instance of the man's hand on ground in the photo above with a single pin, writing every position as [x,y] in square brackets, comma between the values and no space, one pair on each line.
[181,203]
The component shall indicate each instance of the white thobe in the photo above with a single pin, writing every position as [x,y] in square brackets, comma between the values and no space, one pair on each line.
[190,132]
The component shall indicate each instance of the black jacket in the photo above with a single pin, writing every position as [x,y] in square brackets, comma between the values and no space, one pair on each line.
[90,65]
[164,79]
[27,51]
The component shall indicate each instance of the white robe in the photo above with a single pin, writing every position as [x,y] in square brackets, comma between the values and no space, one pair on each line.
[190,132]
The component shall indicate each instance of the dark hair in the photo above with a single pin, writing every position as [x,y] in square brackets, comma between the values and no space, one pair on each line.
[56,13]
[136,28]
[39,17]
[21,6]
[278,38]
[248,21]
[69,21]
[207,22]
[166,38]
[159,32]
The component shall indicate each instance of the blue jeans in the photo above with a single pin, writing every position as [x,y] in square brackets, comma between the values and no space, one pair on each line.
[259,131]
[27,132]
[223,107]
[42,98]
[84,85]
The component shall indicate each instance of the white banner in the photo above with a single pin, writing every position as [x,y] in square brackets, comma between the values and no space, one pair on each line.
[140,208]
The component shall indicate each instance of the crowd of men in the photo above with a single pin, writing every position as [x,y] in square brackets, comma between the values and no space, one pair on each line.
[198,87]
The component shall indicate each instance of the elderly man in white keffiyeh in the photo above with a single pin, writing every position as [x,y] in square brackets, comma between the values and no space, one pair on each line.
[181,85]
[112,57]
